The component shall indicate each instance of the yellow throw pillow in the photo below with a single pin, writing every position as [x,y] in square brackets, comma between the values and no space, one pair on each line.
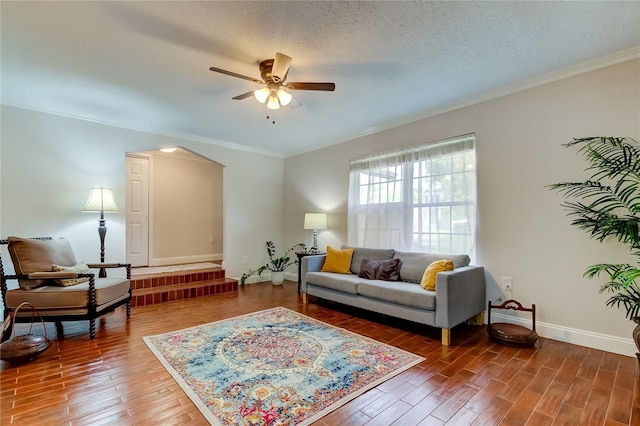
[429,277]
[338,261]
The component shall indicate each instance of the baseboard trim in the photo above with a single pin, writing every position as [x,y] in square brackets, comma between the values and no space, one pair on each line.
[291,276]
[575,336]
[164,261]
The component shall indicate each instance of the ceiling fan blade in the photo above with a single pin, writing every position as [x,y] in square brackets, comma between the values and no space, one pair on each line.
[280,67]
[327,87]
[233,74]
[243,96]
[294,103]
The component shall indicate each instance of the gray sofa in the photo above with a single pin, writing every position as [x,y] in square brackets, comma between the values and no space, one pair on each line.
[459,294]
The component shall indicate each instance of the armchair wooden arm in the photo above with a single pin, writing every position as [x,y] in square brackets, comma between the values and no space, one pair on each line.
[106,265]
[112,265]
[56,275]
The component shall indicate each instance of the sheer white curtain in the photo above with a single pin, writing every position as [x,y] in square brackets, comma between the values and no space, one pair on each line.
[415,199]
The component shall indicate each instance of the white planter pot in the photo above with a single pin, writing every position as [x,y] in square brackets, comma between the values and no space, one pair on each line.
[277,278]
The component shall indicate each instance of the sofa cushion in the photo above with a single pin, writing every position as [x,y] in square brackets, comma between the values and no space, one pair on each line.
[78,268]
[385,270]
[407,294]
[76,296]
[361,253]
[334,281]
[429,277]
[414,264]
[337,260]
[29,255]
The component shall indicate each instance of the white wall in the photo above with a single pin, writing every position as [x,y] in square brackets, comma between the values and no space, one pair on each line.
[48,164]
[522,230]
[185,201]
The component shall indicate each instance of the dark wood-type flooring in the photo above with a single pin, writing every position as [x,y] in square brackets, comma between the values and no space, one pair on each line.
[116,380]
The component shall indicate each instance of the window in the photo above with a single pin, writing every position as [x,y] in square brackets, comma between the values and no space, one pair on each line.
[417,199]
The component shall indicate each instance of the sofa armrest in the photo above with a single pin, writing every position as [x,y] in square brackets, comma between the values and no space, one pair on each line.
[460,295]
[311,263]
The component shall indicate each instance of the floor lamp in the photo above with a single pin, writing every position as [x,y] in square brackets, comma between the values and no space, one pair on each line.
[101,200]
[315,221]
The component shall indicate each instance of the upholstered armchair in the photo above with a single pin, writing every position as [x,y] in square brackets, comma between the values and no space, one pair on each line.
[61,289]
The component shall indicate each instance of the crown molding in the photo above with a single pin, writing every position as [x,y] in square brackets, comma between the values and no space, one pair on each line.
[176,135]
[581,68]
[551,77]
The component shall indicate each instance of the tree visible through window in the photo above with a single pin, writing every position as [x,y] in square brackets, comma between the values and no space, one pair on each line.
[418,199]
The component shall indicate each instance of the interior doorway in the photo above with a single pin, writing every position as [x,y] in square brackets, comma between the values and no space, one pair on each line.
[174,208]
[137,209]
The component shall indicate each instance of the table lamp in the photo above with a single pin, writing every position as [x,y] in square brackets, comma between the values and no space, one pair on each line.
[315,221]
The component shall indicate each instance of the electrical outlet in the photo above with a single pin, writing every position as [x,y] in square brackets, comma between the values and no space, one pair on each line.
[212,240]
[245,260]
[507,284]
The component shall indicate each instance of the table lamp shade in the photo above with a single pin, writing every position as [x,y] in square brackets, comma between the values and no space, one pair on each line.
[315,221]
[100,199]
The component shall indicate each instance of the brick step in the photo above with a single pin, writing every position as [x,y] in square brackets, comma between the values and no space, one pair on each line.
[155,295]
[176,277]
[165,287]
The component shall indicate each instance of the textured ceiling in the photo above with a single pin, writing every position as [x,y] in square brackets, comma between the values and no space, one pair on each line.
[144,65]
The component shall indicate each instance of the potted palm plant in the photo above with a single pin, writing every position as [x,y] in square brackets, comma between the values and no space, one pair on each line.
[276,264]
[608,205]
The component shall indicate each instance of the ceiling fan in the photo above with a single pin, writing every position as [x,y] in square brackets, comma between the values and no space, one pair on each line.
[274,75]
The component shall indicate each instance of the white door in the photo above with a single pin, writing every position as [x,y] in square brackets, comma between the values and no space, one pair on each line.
[137,193]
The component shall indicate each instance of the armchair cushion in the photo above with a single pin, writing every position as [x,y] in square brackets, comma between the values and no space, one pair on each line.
[46,298]
[29,255]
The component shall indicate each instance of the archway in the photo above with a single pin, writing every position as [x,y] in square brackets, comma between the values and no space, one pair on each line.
[174,208]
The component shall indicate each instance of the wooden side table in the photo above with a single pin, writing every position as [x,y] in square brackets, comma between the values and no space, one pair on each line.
[300,255]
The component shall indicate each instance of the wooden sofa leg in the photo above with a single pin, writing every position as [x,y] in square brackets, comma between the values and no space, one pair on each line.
[129,309]
[480,318]
[446,337]
[92,328]
[304,298]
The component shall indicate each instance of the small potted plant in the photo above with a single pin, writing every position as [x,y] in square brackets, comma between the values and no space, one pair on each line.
[276,264]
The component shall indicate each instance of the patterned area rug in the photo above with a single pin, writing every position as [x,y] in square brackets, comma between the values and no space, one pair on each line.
[274,367]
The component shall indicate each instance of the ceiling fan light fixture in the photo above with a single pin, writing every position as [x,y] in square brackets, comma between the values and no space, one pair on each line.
[273,102]
[284,97]
[274,92]
[262,94]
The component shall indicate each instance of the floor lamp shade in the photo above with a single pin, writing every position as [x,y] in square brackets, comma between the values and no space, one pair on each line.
[101,200]
[315,221]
